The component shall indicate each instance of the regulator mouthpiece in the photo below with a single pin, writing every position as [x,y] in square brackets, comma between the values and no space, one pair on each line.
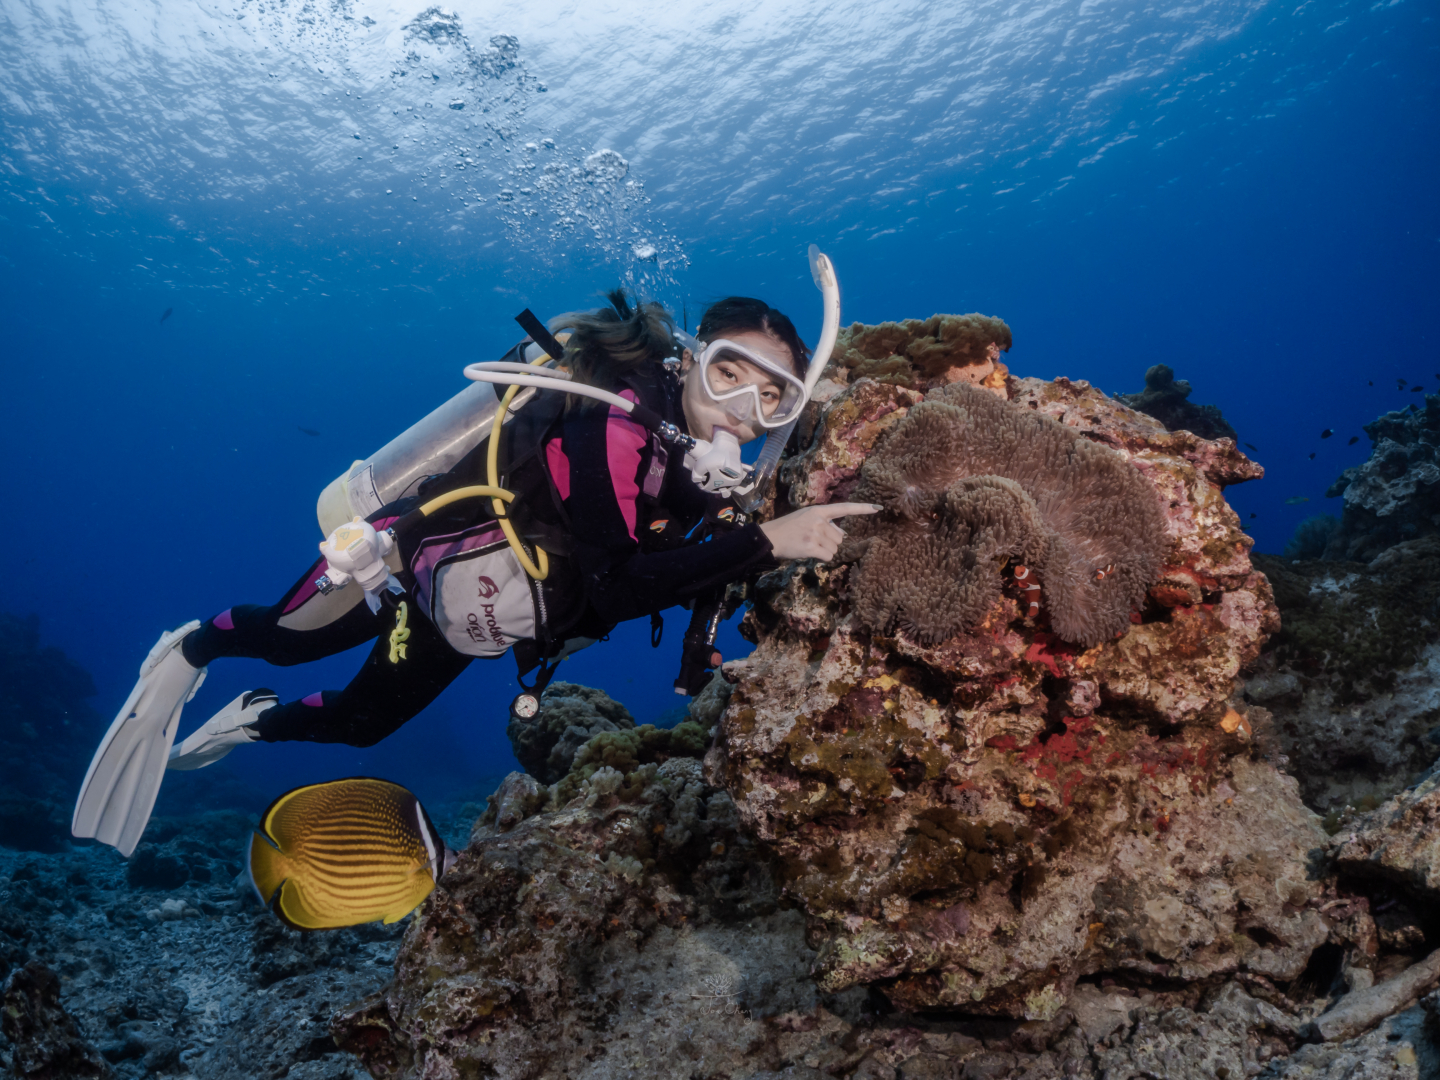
[716,465]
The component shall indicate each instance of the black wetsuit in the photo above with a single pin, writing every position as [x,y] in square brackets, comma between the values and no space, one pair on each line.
[616,510]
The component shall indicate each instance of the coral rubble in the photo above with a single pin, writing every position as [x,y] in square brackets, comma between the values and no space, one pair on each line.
[113,970]
[1167,399]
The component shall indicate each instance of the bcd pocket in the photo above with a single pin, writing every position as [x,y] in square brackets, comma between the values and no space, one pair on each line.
[474,590]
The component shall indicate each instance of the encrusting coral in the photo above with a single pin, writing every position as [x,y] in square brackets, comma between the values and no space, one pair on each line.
[569,715]
[920,352]
[970,482]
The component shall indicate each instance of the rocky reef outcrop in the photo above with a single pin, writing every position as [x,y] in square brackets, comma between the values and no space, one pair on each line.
[994,852]
[570,715]
[977,824]
[1394,496]
[1167,399]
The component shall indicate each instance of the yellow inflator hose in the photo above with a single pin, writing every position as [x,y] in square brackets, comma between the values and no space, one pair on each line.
[498,495]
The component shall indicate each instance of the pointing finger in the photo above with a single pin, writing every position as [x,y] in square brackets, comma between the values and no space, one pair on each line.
[846,509]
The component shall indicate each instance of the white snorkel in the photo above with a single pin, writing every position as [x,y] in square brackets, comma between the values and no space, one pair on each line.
[762,473]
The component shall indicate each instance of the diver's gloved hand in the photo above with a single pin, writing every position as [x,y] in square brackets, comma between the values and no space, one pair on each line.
[811,533]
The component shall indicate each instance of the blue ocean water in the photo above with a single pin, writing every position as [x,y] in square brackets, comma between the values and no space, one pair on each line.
[342,204]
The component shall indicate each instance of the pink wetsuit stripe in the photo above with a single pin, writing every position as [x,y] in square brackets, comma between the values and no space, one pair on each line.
[314,700]
[624,442]
[559,466]
[224,621]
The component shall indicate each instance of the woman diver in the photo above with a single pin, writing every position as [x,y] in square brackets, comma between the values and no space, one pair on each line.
[600,520]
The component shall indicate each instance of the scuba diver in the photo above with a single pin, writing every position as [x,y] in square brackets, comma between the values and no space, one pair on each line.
[605,485]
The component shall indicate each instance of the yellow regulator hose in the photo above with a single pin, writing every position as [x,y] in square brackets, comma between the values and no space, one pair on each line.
[498,495]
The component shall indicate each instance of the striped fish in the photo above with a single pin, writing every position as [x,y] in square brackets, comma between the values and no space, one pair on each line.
[346,852]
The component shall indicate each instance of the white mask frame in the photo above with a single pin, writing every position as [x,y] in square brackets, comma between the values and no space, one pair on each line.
[793,391]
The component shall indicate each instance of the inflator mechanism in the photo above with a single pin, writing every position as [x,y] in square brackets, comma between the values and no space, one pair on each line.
[356,552]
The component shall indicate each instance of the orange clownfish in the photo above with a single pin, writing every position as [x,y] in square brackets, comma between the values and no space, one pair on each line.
[1030,591]
[1103,572]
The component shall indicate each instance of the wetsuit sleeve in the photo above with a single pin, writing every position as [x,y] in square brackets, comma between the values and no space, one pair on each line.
[599,467]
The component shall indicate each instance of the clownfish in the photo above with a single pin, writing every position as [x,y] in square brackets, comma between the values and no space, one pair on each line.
[1030,591]
[1103,572]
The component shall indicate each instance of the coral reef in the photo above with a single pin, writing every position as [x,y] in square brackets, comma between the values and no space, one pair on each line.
[970,483]
[995,855]
[1353,675]
[978,823]
[1395,495]
[925,352]
[569,715]
[1167,399]
[1399,842]
[1310,537]
[46,729]
[866,852]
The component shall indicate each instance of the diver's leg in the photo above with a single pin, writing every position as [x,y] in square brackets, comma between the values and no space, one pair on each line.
[380,698]
[304,625]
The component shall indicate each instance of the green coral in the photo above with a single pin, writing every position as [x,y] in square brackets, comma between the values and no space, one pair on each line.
[627,752]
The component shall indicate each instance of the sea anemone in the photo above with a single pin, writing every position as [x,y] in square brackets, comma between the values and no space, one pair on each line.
[970,483]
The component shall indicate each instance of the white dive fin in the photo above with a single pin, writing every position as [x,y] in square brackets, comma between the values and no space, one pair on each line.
[124,776]
[223,732]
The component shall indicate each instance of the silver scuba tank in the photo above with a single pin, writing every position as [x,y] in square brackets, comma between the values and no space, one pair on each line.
[432,445]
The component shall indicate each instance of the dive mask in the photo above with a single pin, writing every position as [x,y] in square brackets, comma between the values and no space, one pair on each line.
[743,401]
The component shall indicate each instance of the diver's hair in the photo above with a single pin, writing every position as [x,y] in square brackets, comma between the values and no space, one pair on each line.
[612,342]
[736,314]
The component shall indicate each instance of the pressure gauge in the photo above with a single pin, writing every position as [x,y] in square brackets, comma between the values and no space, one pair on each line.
[524,707]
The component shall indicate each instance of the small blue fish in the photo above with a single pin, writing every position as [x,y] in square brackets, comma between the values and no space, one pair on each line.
[168,312]
[1296,500]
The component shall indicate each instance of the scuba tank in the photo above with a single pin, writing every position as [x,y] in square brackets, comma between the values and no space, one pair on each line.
[432,445]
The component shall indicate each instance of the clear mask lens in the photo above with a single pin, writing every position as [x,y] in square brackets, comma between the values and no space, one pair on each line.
[726,371]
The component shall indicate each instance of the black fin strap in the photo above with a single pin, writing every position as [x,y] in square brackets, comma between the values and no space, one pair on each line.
[657,629]
[540,334]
